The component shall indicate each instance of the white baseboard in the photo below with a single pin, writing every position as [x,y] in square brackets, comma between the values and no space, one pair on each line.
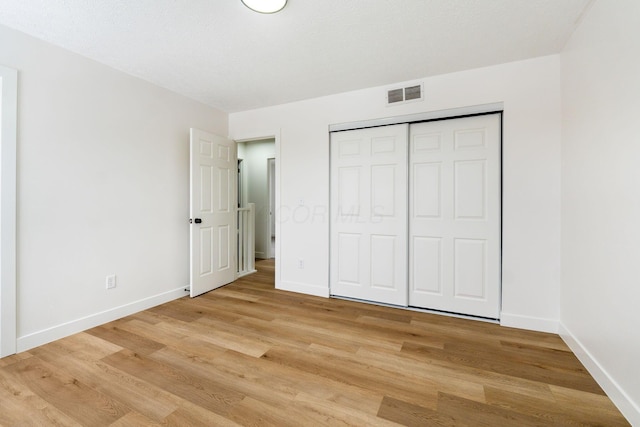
[260,255]
[303,288]
[539,324]
[617,395]
[44,336]
[246,273]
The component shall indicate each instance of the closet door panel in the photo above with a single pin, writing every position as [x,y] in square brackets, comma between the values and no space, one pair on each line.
[455,215]
[426,194]
[427,274]
[369,228]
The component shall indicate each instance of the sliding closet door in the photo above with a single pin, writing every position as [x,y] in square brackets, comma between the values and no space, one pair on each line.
[369,214]
[454,215]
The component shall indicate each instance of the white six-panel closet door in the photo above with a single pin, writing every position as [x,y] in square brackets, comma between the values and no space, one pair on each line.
[369,214]
[455,214]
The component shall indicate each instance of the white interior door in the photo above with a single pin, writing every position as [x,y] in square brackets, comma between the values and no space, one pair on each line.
[455,215]
[213,211]
[369,214]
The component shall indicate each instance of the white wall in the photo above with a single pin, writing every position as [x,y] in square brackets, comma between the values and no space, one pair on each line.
[601,199]
[255,171]
[102,189]
[530,91]
[8,185]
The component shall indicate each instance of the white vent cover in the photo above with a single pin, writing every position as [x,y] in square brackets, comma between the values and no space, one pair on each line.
[404,94]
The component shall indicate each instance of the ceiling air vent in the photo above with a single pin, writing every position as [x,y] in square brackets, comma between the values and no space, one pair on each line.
[401,95]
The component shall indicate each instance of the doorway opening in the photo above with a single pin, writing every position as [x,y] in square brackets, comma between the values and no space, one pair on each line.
[257,178]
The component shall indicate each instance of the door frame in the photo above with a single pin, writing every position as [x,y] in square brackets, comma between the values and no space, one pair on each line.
[240,183]
[8,210]
[271,187]
[451,113]
[275,135]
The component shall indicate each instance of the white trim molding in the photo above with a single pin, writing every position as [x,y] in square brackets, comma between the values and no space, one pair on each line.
[8,212]
[539,324]
[45,336]
[305,288]
[618,396]
[420,117]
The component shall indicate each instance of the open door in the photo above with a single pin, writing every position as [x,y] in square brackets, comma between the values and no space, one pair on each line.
[213,207]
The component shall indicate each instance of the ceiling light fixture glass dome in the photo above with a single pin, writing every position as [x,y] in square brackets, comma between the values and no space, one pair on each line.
[265,6]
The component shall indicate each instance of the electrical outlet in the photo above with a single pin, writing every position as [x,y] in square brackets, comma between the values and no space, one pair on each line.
[300,263]
[111,281]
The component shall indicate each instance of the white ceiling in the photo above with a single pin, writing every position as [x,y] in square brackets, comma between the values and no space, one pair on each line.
[221,53]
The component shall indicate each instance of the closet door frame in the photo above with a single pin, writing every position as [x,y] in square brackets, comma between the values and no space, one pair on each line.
[453,113]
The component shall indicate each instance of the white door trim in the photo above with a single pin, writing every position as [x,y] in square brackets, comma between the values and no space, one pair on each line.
[8,170]
[471,110]
[271,190]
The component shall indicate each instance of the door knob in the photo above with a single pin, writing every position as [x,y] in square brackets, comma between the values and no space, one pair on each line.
[197,221]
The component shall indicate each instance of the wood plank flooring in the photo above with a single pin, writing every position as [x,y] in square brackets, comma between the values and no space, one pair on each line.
[250,355]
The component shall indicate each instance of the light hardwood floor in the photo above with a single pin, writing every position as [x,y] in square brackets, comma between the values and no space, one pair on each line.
[247,354]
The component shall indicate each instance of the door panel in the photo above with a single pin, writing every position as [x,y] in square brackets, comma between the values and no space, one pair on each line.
[349,191]
[206,189]
[469,188]
[455,215]
[213,200]
[427,274]
[470,268]
[383,262]
[349,261]
[369,214]
[426,190]
[206,251]
[383,190]
[224,240]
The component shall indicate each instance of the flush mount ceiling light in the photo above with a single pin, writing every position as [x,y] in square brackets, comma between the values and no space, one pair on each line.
[265,6]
